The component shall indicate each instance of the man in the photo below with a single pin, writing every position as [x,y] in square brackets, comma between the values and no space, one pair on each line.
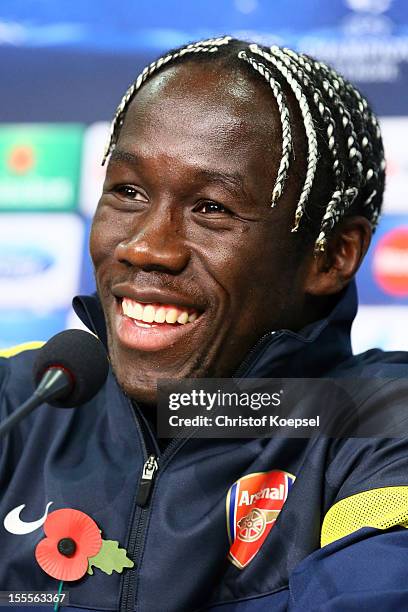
[242,188]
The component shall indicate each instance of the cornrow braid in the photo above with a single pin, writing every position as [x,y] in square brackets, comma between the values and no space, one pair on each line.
[341,202]
[374,180]
[353,144]
[291,60]
[204,46]
[312,157]
[287,145]
[325,113]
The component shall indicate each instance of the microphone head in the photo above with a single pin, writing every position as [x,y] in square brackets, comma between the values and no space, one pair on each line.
[82,356]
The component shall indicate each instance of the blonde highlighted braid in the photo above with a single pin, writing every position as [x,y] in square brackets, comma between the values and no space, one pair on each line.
[285,123]
[313,154]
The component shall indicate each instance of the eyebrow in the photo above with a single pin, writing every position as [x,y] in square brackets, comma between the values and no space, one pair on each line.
[232,181]
[121,156]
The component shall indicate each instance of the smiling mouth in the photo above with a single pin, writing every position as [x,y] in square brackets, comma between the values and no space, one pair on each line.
[153,326]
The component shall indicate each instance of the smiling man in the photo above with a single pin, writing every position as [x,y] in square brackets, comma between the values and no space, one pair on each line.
[186,212]
[243,185]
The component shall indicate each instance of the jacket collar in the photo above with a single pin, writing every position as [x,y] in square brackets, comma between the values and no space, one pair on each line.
[312,352]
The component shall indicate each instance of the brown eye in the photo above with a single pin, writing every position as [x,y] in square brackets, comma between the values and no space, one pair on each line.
[211,207]
[130,193]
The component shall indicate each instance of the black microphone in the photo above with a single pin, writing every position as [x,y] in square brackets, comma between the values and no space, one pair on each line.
[69,370]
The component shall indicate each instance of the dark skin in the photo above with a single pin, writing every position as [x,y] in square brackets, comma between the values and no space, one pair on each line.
[186,209]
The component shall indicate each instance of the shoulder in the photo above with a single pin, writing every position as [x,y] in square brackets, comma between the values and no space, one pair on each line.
[16,365]
[368,478]
[377,363]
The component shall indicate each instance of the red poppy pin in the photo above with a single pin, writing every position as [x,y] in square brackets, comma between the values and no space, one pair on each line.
[73,545]
[72,538]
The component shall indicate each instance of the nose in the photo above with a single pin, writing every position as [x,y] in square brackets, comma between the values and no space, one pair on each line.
[156,244]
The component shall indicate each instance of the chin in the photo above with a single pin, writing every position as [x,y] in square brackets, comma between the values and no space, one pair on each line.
[141,391]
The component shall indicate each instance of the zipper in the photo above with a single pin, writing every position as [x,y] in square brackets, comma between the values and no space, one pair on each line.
[146,483]
[138,521]
[153,459]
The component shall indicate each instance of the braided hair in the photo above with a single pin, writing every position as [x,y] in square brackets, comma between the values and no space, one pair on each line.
[345,167]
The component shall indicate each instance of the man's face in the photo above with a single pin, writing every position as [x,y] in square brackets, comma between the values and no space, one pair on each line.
[184,232]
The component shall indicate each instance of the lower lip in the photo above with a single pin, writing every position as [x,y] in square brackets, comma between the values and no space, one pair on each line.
[153,337]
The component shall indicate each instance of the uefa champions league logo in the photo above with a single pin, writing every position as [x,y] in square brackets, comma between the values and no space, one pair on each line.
[374,7]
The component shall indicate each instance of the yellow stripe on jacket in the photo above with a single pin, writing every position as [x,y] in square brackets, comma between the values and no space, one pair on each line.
[379,508]
[19,348]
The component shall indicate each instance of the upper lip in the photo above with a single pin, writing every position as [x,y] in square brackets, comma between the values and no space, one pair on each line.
[150,296]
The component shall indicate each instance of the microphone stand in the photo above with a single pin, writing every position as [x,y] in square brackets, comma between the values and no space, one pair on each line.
[55,383]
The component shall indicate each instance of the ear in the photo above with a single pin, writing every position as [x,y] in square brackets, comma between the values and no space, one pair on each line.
[330,271]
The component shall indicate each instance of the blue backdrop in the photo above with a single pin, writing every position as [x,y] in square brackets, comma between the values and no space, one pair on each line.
[66,64]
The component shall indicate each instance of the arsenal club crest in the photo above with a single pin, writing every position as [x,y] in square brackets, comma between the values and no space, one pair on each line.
[253,504]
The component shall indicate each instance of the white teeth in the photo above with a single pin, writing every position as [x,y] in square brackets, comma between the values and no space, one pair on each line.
[148,314]
[160,315]
[132,309]
[125,308]
[183,318]
[171,315]
[137,311]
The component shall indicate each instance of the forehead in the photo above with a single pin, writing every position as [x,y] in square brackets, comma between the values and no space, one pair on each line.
[207,116]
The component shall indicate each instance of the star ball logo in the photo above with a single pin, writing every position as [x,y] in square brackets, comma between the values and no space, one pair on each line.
[253,505]
[390,262]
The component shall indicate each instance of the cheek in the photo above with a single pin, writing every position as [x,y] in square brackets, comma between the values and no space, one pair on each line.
[262,279]
[106,233]
[226,259]
[241,260]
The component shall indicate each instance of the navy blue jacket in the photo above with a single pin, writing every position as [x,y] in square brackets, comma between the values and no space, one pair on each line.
[350,495]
